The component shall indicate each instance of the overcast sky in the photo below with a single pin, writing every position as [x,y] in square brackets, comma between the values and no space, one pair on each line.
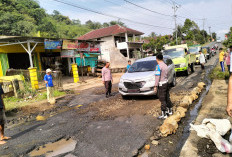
[218,13]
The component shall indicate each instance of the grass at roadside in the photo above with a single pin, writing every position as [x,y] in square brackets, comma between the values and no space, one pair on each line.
[218,74]
[14,103]
[205,44]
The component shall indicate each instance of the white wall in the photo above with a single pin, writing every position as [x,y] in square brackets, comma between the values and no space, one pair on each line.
[111,54]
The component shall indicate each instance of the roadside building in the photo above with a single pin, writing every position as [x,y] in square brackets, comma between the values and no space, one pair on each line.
[18,52]
[119,44]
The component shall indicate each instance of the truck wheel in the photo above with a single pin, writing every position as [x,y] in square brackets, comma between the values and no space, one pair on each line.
[192,67]
[188,71]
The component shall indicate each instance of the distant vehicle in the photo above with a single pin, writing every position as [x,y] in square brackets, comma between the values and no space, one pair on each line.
[206,51]
[195,50]
[213,51]
[140,78]
[219,41]
[183,60]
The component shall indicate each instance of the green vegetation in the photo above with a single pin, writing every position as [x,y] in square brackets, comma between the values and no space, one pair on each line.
[13,102]
[189,33]
[218,74]
[27,18]
[156,43]
[227,43]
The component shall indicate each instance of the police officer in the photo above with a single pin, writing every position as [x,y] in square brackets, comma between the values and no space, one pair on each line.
[161,84]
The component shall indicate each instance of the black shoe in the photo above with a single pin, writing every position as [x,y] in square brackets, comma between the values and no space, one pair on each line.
[107,96]
[110,95]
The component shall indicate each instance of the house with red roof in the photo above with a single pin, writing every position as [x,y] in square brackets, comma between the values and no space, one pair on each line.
[118,44]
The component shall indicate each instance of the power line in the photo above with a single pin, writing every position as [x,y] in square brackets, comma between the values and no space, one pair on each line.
[158,12]
[134,10]
[112,16]
[147,8]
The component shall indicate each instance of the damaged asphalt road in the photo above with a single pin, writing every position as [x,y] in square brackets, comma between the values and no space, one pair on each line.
[100,126]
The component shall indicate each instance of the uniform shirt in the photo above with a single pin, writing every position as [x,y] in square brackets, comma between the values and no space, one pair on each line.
[128,66]
[1,101]
[49,79]
[161,73]
[202,58]
[221,56]
[106,74]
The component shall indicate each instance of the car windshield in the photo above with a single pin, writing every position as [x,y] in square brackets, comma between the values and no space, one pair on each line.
[174,53]
[143,66]
[194,50]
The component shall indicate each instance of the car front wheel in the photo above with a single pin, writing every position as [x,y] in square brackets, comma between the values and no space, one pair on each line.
[173,84]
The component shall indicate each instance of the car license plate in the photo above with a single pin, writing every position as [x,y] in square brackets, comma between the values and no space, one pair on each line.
[133,90]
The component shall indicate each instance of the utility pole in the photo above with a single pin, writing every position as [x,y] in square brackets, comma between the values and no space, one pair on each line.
[204,29]
[175,7]
[210,33]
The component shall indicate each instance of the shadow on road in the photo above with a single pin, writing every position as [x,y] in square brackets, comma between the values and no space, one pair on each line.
[27,130]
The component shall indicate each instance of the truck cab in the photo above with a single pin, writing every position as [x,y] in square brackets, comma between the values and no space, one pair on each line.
[183,60]
[195,50]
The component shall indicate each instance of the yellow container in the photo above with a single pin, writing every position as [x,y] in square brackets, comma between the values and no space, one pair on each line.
[34,78]
[75,73]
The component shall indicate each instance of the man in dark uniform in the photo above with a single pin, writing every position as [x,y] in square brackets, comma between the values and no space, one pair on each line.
[161,84]
[2,118]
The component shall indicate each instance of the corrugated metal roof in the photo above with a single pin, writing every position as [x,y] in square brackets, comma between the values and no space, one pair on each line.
[108,31]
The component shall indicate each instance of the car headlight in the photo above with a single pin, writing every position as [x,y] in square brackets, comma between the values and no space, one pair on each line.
[151,79]
[182,65]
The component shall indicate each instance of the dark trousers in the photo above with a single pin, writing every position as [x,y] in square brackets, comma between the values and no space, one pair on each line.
[164,97]
[202,66]
[222,66]
[108,86]
[229,69]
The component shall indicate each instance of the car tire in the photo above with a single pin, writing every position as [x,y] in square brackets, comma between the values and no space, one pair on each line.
[173,84]
[188,71]
[192,67]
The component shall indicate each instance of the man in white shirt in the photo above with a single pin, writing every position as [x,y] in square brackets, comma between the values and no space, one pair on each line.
[202,60]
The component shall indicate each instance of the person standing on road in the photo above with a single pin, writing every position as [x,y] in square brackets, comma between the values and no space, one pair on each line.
[229,99]
[107,79]
[202,60]
[49,85]
[129,65]
[227,59]
[161,84]
[221,59]
[2,118]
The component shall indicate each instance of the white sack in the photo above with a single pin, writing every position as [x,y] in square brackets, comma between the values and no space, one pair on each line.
[214,129]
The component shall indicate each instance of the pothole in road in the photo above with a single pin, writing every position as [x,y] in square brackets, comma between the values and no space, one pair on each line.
[53,149]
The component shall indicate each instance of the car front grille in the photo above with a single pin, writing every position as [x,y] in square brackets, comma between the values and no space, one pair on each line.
[177,66]
[133,85]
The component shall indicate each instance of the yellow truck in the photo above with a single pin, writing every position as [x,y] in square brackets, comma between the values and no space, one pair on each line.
[183,60]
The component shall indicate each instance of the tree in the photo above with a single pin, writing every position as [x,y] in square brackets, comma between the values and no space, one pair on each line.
[111,23]
[227,43]
[153,34]
[214,36]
